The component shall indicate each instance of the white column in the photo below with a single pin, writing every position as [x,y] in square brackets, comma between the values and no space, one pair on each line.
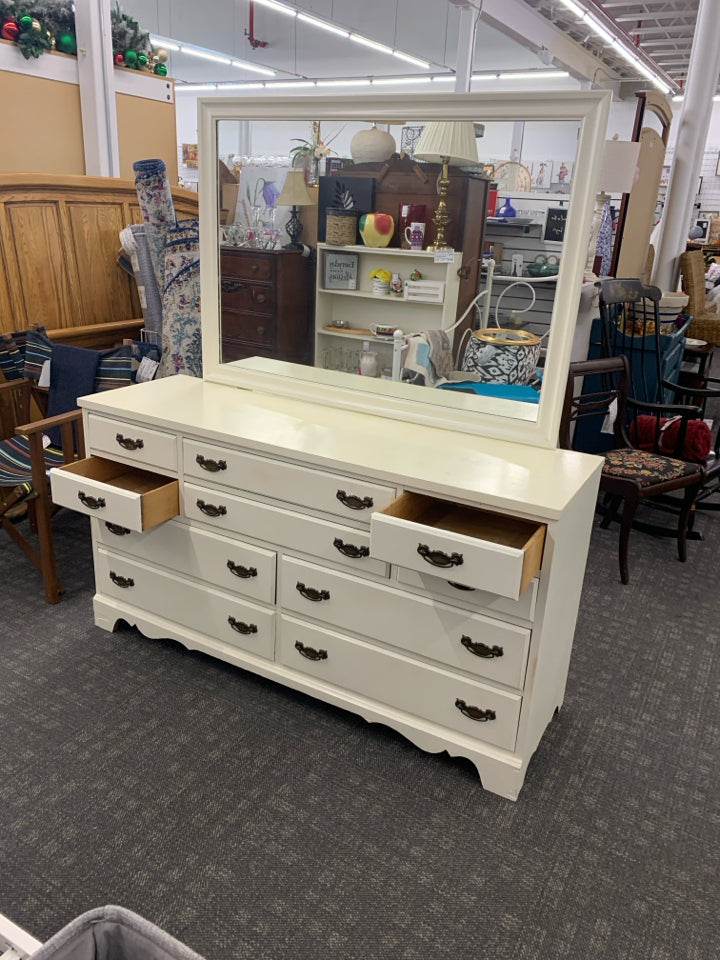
[97,87]
[692,131]
[467,31]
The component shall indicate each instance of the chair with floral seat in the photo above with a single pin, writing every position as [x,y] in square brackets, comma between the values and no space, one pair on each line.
[632,475]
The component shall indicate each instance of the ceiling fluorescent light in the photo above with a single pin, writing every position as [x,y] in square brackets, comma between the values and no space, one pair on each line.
[443,79]
[281,8]
[485,76]
[386,81]
[167,44]
[532,75]
[323,25]
[416,61]
[281,84]
[342,83]
[380,47]
[574,8]
[194,52]
[194,87]
[242,65]
[600,30]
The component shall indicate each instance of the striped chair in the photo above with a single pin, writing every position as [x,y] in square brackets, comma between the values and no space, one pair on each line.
[57,438]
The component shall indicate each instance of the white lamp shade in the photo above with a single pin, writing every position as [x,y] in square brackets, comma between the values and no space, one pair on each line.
[447,140]
[295,192]
[617,171]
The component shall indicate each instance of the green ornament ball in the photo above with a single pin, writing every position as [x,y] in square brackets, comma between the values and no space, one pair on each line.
[160,69]
[65,43]
[131,58]
[26,22]
[142,60]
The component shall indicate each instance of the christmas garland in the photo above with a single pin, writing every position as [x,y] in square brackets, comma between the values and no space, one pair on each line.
[40,25]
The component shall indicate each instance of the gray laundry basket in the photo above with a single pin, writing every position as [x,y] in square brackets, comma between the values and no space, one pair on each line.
[112,933]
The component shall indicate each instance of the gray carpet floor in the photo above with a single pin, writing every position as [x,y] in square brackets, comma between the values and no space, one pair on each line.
[250,821]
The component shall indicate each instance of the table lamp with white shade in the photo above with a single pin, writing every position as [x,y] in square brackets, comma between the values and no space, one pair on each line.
[294,194]
[617,175]
[446,142]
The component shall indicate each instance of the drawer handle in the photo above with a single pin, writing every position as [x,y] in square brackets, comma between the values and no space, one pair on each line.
[481,649]
[212,466]
[353,502]
[117,529]
[309,652]
[240,627]
[239,571]
[127,443]
[92,503]
[460,586]
[259,297]
[310,593]
[439,559]
[123,582]
[261,331]
[350,550]
[475,713]
[210,510]
[231,286]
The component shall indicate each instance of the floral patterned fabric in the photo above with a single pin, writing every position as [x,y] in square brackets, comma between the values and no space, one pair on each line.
[646,468]
[181,338]
[174,249]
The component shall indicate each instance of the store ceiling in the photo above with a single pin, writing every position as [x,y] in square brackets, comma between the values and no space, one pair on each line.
[424,28]
[663,29]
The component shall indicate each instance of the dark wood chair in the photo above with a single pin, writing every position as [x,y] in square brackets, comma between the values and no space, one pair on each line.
[631,475]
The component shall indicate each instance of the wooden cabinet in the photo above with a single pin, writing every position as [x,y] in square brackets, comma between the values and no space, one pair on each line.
[266,304]
[424,579]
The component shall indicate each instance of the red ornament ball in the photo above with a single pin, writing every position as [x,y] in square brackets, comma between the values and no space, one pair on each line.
[119,59]
[10,29]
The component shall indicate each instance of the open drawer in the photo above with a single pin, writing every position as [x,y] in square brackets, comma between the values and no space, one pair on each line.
[115,492]
[489,551]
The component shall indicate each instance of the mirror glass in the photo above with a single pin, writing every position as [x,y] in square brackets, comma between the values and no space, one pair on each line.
[429,263]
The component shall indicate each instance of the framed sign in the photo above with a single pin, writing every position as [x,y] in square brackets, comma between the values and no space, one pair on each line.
[555,223]
[340,271]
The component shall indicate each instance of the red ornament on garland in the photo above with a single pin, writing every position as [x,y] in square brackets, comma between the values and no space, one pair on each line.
[10,29]
[119,59]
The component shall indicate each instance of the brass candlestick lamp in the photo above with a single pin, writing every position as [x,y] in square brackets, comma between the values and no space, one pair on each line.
[446,142]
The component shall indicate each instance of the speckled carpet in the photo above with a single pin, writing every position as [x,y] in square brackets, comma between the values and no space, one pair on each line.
[250,821]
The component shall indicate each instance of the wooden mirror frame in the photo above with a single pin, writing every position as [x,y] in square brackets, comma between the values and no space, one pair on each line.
[502,419]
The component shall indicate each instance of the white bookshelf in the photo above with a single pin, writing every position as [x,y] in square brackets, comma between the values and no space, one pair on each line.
[361,308]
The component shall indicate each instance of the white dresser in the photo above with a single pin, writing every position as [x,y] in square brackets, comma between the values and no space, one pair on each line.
[423,578]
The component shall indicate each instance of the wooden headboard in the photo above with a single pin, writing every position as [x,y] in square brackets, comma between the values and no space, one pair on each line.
[59,243]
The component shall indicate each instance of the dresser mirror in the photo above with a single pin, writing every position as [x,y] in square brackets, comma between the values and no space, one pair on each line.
[294,322]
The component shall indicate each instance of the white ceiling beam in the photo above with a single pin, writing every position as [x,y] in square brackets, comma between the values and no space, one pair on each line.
[659,15]
[517,20]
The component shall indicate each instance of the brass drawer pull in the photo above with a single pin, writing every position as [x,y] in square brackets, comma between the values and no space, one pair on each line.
[210,510]
[123,582]
[259,297]
[92,503]
[354,503]
[231,286]
[239,571]
[475,713]
[129,444]
[481,649]
[117,529]
[212,466]
[350,550]
[310,593]
[439,559]
[240,627]
[309,652]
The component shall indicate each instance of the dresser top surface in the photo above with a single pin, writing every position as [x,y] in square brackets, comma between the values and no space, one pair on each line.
[447,463]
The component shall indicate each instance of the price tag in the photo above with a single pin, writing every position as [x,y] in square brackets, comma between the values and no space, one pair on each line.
[444,255]
[146,370]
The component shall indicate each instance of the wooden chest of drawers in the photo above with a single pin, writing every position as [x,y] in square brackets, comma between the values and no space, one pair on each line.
[266,304]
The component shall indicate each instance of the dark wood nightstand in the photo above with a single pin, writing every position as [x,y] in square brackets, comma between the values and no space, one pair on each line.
[266,301]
